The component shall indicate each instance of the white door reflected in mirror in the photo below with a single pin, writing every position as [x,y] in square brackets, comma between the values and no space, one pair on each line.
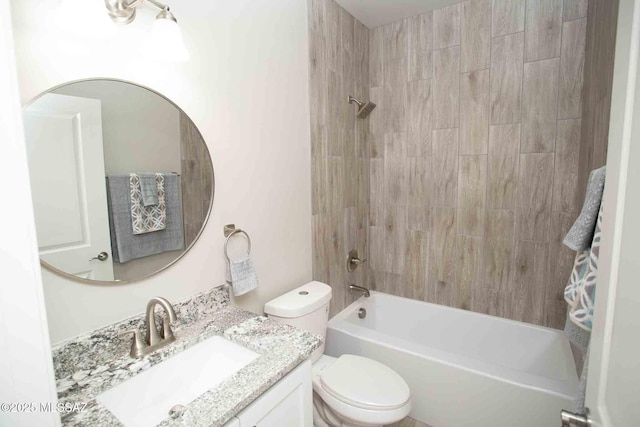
[64,144]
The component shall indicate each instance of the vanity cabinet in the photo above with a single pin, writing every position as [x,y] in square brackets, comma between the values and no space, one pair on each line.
[288,403]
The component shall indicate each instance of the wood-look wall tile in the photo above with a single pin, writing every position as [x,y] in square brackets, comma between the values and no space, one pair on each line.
[446,87]
[492,302]
[335,188]
[443,245]
[363,193]
[561,258]
[319,185]
[394,284]
[394,238]
[530,274]
[395,95]
[535,181]
[445,166]
[468,270]
[376,248]
[555,314]
[396,40]
[376,280]
[504,153]
[361,53]
[498,249]
[376,192]
[320,249]
[475,35]
[377,123]
[347,87]
[335,113]
[420,29]
[395,177]
[350,172]
[574,9]
[419,118]
[347,28]
[507,56]
[446,26]
[472,194]
[415,268]
[474,112]
[543,28]
[350,229]
[316,14]
[337,275]
[317,78]
[419,192]
[376,57]
[565,179]
[508,17]
[572,69]
[333,35]
[540,106]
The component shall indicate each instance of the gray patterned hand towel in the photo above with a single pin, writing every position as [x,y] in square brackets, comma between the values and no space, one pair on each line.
[243,275]
[580,235]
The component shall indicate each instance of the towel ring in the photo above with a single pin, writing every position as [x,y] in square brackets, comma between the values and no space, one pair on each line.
[230,235]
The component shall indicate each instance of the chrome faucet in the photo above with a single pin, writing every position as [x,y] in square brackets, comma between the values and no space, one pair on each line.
[356,288]
[154,340]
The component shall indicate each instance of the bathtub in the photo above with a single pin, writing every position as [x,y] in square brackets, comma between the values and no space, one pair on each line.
[464,369]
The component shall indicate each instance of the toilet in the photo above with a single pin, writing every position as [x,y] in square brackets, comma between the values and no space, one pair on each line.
[350,390]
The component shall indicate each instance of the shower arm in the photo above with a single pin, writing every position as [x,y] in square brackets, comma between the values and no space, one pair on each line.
[352,100]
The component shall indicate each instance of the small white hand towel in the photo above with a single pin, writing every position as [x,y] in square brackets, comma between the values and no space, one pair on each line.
[241,275]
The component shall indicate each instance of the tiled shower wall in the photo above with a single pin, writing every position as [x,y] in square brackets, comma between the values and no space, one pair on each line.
[339,67]
[474,152]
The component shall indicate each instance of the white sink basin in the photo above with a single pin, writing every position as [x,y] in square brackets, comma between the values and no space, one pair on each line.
[145,400]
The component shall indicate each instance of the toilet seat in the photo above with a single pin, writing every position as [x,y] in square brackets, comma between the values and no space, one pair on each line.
[361,390]
[365,383]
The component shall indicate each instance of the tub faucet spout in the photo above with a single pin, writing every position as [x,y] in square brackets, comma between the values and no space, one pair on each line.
[356,288]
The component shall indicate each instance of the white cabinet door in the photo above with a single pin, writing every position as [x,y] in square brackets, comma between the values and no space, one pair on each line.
[66,165]
[286,404]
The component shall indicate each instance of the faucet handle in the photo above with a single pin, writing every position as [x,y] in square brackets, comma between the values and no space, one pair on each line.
[353,261]
[137,345]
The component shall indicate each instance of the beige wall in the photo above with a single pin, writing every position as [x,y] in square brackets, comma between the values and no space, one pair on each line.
[141,130]
[477,145]
[246,88]
[339,166]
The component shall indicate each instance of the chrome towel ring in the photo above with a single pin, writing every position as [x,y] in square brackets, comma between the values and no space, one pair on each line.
[230,230]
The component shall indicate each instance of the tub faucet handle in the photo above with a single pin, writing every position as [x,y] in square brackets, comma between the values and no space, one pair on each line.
[353,261]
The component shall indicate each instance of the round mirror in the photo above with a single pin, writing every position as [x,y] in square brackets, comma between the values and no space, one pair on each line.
[121,178]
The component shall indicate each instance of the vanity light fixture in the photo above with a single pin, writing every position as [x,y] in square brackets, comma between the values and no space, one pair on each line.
[166,41]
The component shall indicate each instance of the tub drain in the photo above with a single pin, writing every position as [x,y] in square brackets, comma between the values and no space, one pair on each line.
[362,313]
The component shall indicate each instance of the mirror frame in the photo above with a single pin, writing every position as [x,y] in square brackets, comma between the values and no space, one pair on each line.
[206,219]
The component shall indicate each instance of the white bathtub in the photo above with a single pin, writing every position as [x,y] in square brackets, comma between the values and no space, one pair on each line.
[464,369]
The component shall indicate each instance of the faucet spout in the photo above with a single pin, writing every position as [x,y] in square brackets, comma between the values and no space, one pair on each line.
[153,337]
[356,288]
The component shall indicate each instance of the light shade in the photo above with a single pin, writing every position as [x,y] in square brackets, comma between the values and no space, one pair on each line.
[165,43]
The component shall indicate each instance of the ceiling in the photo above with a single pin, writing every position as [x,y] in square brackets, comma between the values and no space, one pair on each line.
[374,13]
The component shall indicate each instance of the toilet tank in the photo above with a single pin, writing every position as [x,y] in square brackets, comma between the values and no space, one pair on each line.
[306,308]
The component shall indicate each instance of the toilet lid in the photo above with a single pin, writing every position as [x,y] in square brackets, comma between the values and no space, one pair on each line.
[365,383]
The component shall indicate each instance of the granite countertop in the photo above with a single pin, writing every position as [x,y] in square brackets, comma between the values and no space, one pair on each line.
[91,364]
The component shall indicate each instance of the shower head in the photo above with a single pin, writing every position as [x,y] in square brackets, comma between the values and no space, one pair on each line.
[364,109]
